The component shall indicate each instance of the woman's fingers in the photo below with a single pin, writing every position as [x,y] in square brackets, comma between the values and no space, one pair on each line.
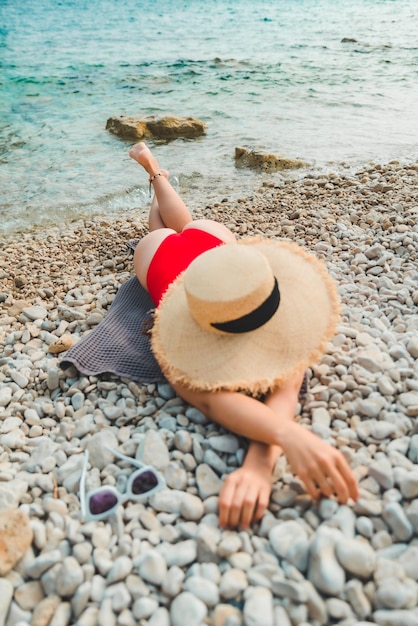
[225,500]
[322,468]
[243,500]
[330,475]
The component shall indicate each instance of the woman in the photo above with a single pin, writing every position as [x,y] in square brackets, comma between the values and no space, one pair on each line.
[179,250]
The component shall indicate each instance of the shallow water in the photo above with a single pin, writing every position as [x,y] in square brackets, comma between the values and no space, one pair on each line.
[275,76]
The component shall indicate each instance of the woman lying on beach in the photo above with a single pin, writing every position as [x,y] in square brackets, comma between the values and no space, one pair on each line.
[236,325]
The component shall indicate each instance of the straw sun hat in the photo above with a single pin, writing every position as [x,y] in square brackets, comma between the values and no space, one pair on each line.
[245,316]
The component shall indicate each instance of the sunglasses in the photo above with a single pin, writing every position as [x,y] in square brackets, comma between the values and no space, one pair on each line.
[102,502]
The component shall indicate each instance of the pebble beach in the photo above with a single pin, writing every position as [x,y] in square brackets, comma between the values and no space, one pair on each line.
[166,562]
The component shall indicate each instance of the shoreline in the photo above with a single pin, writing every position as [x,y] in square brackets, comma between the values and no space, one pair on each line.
[198,190]
[356,563]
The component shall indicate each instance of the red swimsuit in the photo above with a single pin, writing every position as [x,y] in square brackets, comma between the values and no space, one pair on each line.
[174,255]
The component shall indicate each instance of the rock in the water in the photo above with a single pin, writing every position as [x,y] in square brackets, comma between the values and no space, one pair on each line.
[168,127]
[257,159]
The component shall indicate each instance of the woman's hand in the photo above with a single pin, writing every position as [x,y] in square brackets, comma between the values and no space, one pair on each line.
[322,468]
[244,497]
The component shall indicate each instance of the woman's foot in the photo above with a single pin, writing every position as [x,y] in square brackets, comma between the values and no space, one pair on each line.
[143,155]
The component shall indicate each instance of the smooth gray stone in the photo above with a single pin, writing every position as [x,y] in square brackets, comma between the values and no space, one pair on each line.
[196,416]
[324,570]
[346,520]
[168,422]
[204,589]
[69,577]
[289,540]
[187,609]
[338,609]
[327,508]
[49,580]
[316,606]
[368,507]
[381,470]
[356,556]
[409,484]
[68,474]
[167,501]
[151,566]
[144,607]
[6,595]
[80,598]
[207,539]
[77,400]
[180,554]
[173,581]
[166,391]
[35,312]
[11,493]
[153,450]
[5,395]
[395,618]
[412,451]
[192,507]
[229,544]
[42,563]
[281,617]
[392,593]
[258,607]
[289,589]
[83,426]
[395,517]
[175,476]
[409,561]
[120,569]
[358,600]
[228,444]
[53,379]
[394,551]
[208,483]
[232,583]
[16,615]
[183,441]
[161,617]
[215,462]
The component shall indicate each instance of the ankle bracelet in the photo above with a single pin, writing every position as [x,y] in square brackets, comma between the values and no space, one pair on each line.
[151,180]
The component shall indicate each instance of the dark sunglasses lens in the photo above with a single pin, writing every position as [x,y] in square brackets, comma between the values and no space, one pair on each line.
[102,502]
[144,482]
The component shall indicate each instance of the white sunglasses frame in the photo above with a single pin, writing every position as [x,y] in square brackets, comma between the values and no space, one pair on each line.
[120,497]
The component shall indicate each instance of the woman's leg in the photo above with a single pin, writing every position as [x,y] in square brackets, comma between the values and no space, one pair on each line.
[172,210]
[154,219]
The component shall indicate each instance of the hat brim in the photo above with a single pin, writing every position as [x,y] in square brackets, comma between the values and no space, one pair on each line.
[260,360]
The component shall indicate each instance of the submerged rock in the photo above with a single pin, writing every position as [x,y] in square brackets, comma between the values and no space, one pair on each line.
[168,127]
[257,159]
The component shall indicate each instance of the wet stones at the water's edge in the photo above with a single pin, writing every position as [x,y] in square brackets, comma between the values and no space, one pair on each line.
[166,561]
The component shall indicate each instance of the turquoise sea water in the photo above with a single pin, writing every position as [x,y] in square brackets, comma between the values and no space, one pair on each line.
[269,75]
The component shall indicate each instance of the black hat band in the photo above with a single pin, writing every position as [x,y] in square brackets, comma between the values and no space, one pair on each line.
[256,318]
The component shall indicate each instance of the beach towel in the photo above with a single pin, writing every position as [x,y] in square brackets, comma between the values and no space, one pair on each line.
[118,344]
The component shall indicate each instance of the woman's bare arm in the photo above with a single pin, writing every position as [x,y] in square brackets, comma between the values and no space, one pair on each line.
[322,468]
